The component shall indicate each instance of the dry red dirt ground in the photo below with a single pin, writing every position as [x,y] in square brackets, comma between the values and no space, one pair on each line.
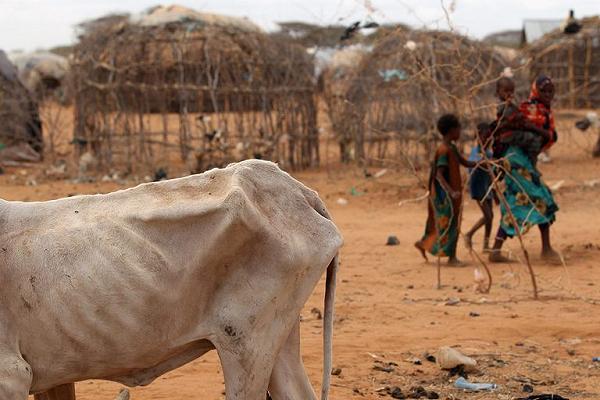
[389,310]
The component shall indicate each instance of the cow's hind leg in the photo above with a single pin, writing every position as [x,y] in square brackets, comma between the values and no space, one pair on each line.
[62,392]
[15,377]
[288,379]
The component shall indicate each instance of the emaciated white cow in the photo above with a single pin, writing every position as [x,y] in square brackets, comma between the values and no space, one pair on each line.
[130,285]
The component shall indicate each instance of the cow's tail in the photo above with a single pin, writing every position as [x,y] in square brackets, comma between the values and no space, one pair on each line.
[328,326]
[329,301]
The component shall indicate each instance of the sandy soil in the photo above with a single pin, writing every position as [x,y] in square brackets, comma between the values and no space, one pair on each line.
[388,309]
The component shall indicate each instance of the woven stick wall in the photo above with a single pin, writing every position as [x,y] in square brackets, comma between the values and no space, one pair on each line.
[161,94]
[573,63]
[410,79]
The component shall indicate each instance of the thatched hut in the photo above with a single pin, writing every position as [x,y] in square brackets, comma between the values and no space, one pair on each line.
[408,80]
[176,79]
[573,62]
[20,127]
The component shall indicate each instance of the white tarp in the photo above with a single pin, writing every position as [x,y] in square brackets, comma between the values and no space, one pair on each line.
[162,15]
[35,67]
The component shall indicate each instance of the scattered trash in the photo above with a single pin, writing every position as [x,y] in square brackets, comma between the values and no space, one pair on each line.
[430,358]
[459,370]
[317,313]
[414,360]
[557,185]
[592,183]
[480,281]
[336,371]
[160,174]
[474,314]
[355,192]
[396,392]
[448,358]
[452,301]
[392,241]
[527,388]
[123,394]
[384,367]
[341,201]
[417,392]
[570,342]
[57,171]
[543,397]
[380,173]
[462,383]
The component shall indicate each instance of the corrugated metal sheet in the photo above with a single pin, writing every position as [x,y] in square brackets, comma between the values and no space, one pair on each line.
[536,28]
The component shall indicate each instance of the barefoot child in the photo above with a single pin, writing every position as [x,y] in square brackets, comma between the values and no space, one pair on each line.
[479,187]
[445,194]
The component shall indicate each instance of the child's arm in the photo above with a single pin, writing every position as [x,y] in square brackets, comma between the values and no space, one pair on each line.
[463,161]
[439,176]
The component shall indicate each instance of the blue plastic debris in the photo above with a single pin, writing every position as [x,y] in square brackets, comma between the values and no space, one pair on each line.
[462,383]
[388,74]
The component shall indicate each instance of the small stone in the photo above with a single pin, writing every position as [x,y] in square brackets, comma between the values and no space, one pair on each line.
[336,371]
[430,358]
[527,388]
[396,393]
[474,314]
[452,301]
[410,286]
[317,313]
[392,241]
[432,395]
[417,392]
[571,352]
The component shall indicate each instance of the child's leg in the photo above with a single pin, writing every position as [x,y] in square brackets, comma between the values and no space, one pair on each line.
[486,220]
[487,207]
[496,253]
[547,251]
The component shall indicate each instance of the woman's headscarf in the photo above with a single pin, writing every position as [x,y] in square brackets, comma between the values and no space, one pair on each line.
[537,86]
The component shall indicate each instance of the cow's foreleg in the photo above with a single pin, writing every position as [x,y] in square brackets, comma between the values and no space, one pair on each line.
[15,377]
[288,379]
[62,392]
[247,374]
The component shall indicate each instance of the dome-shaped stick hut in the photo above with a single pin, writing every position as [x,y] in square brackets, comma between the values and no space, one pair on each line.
[573,63]
[410,79]
[19,118]
[174,83]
